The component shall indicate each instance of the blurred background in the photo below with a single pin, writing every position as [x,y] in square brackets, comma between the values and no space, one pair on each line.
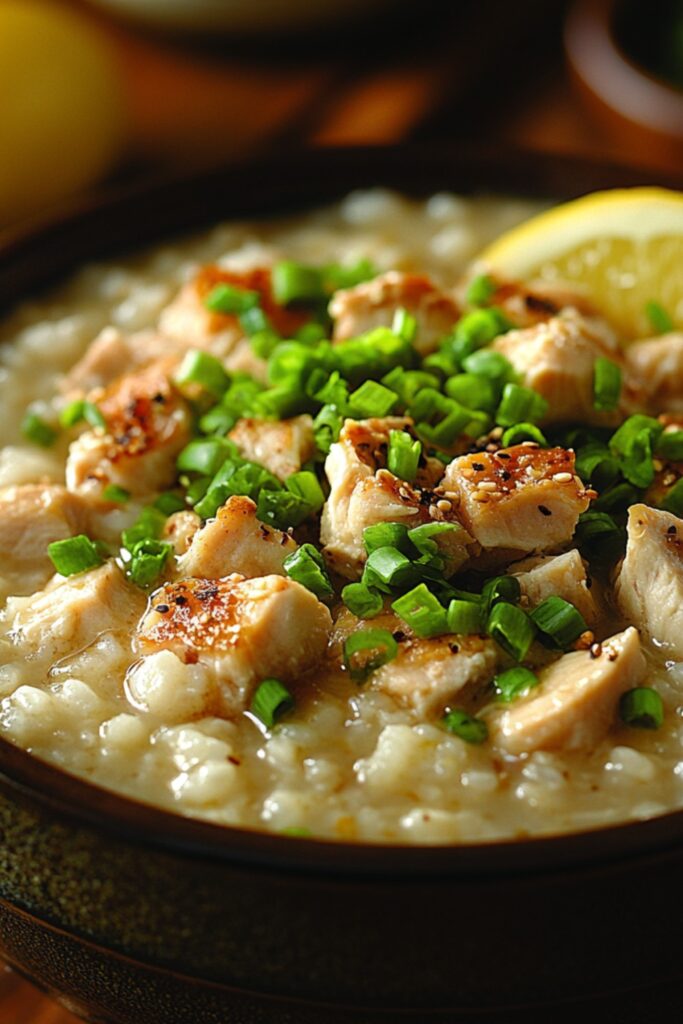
[101,93]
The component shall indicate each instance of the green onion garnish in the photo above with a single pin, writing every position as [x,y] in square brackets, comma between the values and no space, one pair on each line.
[422,612]
[147,562]
[205,370]
[493,365]
[559,621]
[403,455]
[230,300]
[387,535]
[388,566]
[404,324]
[480,290]
[673,501]
[658,317]
[256,325]
[606,384]
[501,588]
[74,555]
[472,391]
[512,629]
[596,465]
[271,700]
[306,566]
[617,498]
[520,405]
[119,495]
[467,727]
[670,446]
[515,682]
[523,432]
[366,650]
[598,536]
[407,383]
[422,537]
[362,600]
[170,502]
[371,399]
[37,430]
[148,526]
[632,444]
[218,420]
[205,455]
[641,708]
[466,617]
[79,410]
[294,282]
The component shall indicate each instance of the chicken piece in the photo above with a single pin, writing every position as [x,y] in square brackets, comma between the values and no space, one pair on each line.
[557,357]
[561,575]
[374,303]
[112,352]
[282,446]
[523,498]
[575,701]
[649,586]
[535,302]
[657,366]
[147,425]
[243,631]
[73,613]
[236,542]
[362,494]
[180,529]
[32,516]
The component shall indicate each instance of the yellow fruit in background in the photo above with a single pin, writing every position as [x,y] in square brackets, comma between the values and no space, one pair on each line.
[62,122]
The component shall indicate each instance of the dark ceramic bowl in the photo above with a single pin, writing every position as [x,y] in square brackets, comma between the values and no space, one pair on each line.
[134,916]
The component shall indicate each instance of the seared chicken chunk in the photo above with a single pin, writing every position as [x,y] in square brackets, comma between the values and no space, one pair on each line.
[657,366]
[282,446]
[575,701]
[71,614]
[180,529]
[556,358]
[243,631]
[523,498]
[649,587]
[560,575]
[236,542]
[374,303]
[113,352]
[362,494]
[147,425]
[534,303]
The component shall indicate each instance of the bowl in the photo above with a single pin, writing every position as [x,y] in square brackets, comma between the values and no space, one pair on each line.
[131,915]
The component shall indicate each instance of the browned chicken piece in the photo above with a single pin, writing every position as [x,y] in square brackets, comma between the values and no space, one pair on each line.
[236,542]
[282,446]
[147,425]
[519,499]
[557,358]
[656,365]
[527,304]
[32,516]
[560,575]
[70,614]
[243,631]
[649,586]
[363,493]
[576,699]
[374,303]
[113,352]
[180,528]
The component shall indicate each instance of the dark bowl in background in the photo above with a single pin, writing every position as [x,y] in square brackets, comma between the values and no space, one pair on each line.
[132,915]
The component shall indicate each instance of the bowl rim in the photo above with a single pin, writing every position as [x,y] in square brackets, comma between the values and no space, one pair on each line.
[133,217]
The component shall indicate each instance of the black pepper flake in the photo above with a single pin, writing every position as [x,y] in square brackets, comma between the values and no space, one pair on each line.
[399,636]
[180,600]
[454,648]
[544,510]
[505,475]
[162,609]
[671,530]
[479,466]
[503,455]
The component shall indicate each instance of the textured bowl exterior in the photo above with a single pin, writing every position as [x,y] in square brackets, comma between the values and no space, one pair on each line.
[134,916]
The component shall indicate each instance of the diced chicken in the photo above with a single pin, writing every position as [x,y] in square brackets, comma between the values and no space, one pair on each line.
[147,425]
[523,498]
[32,516]
[243,631]
[556,358]
[657,366]
[71,614]
[374,303]
[527,304]
[560,575]
[180,529]
[236,542]
[282,446]
[362,494]
[649,587]
[113,353]
[575,701]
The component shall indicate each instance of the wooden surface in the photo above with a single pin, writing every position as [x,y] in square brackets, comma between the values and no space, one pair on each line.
[487,70]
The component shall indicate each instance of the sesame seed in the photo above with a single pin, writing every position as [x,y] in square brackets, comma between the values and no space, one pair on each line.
[444,505]
[488,485]
[467,472]
[481,496]
[562,478]
[496,433]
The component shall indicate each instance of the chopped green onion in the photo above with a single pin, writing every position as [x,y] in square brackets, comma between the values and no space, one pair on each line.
[148,560]
[440,420]
[422,537]
[366,650]
[472,391]
[598,536]
[338,276]
[196,492]
[148,526]
[486,363]
[74,555]
[559,620]
[388,566]
[311,334]
[306,486]
[466,617]
[515,682]
[467,727]
[476,329]
[617,498]
[501,588]
[205,455]
[296,832]
[632,444]
[641,708]
[294,282]
[387,535]
[670,446]
[280,509]
[255,324]
[306,566]
[422,612]
[673,501]
[658,317]
[520,405]
[231,300]
[362,600]
[372,399]
[170,502]
[512,629]
[119,495]
[606,384]
[595,465]
[218,420]
[403,455]
[480,290]
[372,355]
[271,700]
[523,432]
[404,324]
[37,430]
[205,370]
[407,383]
[79,410]
[326,428]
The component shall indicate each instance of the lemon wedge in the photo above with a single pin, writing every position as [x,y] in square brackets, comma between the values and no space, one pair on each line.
[622,248]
